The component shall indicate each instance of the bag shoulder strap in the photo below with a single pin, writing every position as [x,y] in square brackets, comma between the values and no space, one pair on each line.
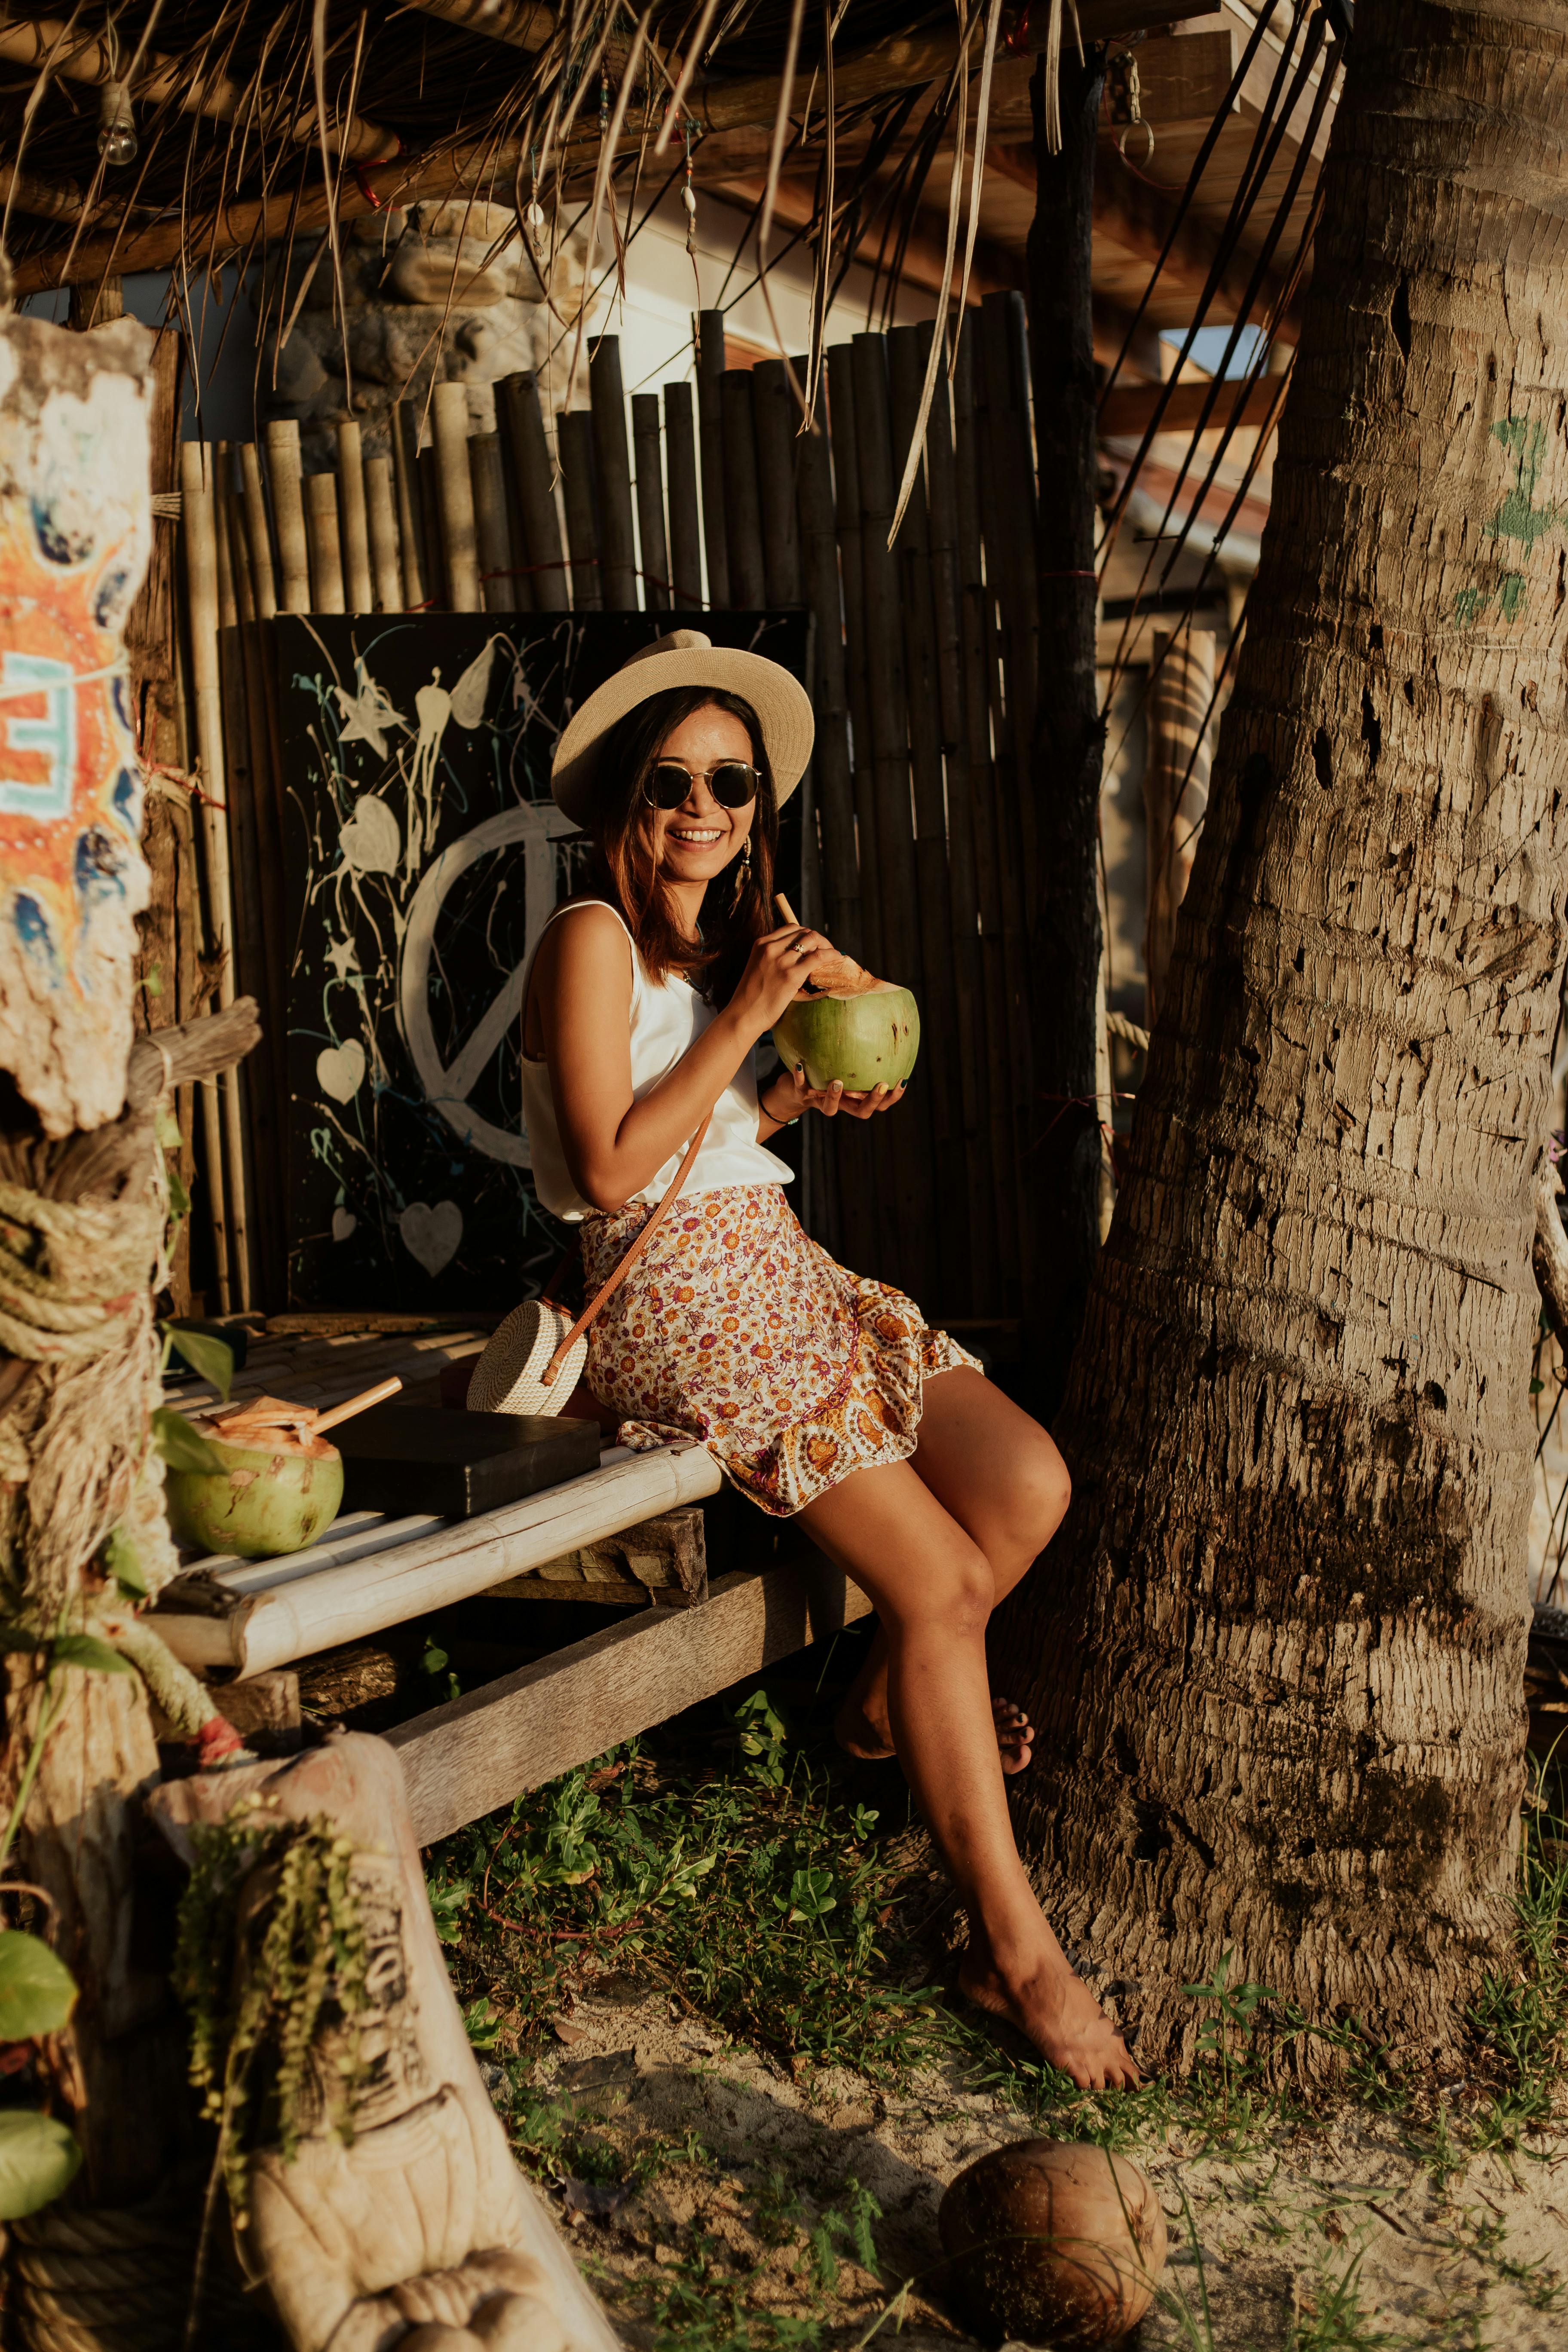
[630,1259]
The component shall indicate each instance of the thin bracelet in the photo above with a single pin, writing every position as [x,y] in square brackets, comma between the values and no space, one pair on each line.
[780,1123]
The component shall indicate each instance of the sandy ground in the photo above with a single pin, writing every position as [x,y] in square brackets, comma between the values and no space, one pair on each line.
[1345,2232]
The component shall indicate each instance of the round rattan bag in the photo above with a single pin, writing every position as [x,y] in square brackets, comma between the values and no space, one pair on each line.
[510,1375]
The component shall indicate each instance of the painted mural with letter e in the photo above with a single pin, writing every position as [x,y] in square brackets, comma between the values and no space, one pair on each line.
[424,855]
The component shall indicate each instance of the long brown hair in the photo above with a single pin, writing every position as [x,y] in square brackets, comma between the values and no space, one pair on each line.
[623,833]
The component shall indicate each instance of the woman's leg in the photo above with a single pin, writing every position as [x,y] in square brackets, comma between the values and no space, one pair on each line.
[998,1474]
[933,1590]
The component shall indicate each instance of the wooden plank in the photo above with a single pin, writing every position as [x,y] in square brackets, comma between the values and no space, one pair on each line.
[479,1751]
[1181,80]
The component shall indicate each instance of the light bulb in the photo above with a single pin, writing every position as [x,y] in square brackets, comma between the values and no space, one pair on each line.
[117,141]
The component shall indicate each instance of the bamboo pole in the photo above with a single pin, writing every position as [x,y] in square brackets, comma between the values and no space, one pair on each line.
[245,787]
[426,481]
[575,431]
[266,802]
[835,788]
[1009,456]
[962,878]
[410,513]
[325,545]
[539,546]
[913,1190]
[711,367]
[381,521]
[258,540]
[938,1012]
[353,522]
[685,526]
[1009,1077]
[459,538]
[285,474]
[226,1163]
[742,495]
[776,414]
[847,497]
[648,451]
[494,540]
[612,478]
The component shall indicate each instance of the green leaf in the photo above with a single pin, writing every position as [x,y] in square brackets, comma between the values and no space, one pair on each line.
[39,2158]
[123,1562]
[183,1447]
[95,1657]
[178,1198]
[211,1358]
[153,979]
[37,1991]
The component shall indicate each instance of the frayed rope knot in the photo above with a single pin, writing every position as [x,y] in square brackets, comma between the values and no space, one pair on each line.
[74,1274]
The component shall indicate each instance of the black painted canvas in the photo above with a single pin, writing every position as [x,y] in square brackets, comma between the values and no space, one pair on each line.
[424,856]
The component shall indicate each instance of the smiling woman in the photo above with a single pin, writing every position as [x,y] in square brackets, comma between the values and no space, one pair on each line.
[820,1392]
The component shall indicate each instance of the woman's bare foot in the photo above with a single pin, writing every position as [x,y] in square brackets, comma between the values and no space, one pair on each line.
[1057,2012]
[861,1727]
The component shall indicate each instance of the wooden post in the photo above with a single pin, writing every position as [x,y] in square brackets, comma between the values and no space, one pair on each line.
[575,440]
[458,534]
[353,523]
[836,791]
[612,478]
[258,536]
[326,546]
[710,367]
[646,444]
[776,416]
[1067,744]
[539,548]
[381,517]
[1175,790]
[410,508]
[742,495]
[284,473]
[489,522]
[685,526]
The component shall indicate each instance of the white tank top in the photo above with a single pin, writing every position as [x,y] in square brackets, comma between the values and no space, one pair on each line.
[667,1016]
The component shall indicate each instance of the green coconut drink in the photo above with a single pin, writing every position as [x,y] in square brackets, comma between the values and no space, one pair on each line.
[863,1037]
[277,1494]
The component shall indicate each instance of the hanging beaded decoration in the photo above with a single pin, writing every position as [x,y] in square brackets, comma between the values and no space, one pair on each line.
[534,218]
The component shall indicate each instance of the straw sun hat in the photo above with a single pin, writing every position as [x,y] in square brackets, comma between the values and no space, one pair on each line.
[685,658]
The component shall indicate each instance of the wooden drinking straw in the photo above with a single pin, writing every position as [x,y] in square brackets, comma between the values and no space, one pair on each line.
[345,1411]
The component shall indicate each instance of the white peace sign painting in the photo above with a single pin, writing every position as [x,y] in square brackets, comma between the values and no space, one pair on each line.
[536,825]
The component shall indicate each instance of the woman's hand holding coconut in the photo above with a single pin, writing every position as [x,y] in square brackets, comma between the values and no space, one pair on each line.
[824,1393]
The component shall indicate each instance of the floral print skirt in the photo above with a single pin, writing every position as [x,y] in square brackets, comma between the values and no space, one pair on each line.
[738,1329]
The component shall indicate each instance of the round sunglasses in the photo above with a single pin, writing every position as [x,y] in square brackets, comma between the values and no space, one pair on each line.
[732,782]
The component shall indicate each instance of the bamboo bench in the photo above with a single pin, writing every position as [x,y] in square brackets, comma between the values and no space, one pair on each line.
[232,1619]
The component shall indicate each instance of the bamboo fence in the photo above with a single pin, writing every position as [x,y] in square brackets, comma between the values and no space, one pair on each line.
[916,840]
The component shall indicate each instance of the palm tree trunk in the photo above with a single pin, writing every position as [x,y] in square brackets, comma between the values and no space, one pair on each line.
[1279,1665]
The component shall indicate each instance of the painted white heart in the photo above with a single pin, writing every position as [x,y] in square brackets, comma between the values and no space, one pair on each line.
[431,1235]
[339,1070]
[371,842]
[344,1222]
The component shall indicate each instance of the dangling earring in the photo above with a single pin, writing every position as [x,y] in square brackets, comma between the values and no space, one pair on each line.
[742,874]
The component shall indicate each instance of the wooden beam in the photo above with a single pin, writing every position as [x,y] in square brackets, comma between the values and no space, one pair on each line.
[520,24]
[44,199]
[995,269]
[1185,79]
[1127,415]
[481,1750]
[44,42]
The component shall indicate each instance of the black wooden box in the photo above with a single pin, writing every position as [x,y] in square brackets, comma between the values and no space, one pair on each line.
[416,1457]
